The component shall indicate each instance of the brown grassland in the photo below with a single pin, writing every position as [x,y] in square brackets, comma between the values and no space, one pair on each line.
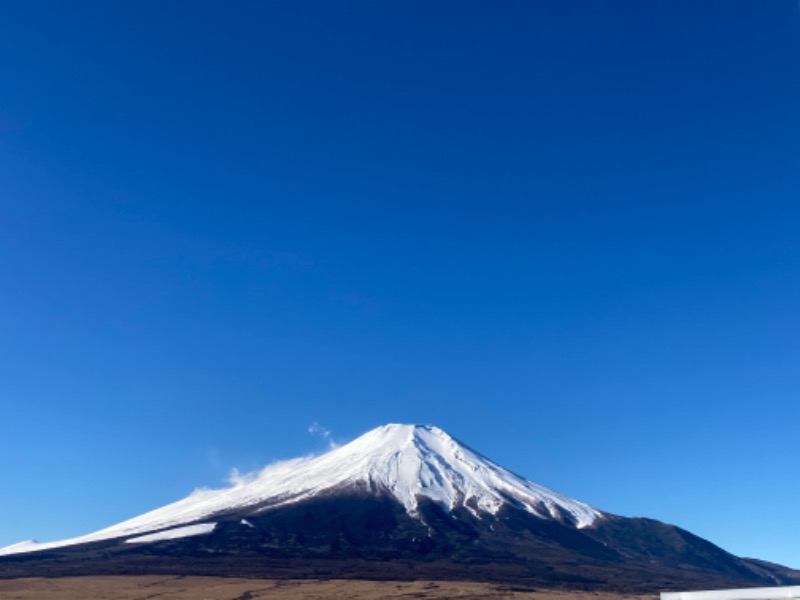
[220,588]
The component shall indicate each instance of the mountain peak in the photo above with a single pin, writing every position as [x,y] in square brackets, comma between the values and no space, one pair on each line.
[398,436]
[411,492]
[414,461]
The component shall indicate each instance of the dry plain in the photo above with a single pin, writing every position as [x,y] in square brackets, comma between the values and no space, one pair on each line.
[219,588]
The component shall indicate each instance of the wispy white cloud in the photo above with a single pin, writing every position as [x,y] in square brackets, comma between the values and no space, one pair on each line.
[237,479]
[318,430]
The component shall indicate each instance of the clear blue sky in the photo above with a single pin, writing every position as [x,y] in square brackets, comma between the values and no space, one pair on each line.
[566,232]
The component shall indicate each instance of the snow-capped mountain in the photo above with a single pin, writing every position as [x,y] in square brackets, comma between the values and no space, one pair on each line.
[401,501]
[410,462]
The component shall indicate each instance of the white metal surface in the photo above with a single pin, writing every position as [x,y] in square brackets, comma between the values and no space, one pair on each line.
[768,593]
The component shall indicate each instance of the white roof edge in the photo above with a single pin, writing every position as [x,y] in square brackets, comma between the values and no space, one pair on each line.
[767,593]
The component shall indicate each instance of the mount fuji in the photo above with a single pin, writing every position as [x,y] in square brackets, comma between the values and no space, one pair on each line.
[399,502]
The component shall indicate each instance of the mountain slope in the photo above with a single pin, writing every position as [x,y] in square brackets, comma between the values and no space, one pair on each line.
[410,462]
[399,502]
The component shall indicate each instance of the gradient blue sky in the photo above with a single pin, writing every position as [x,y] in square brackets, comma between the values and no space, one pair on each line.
[566,232]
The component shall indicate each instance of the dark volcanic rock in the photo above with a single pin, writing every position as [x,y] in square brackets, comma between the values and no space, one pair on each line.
[371,536]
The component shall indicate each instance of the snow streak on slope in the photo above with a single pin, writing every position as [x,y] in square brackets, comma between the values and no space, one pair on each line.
[173,534]
[407,461]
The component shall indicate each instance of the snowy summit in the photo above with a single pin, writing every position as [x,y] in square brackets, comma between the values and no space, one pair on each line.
[413,461]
